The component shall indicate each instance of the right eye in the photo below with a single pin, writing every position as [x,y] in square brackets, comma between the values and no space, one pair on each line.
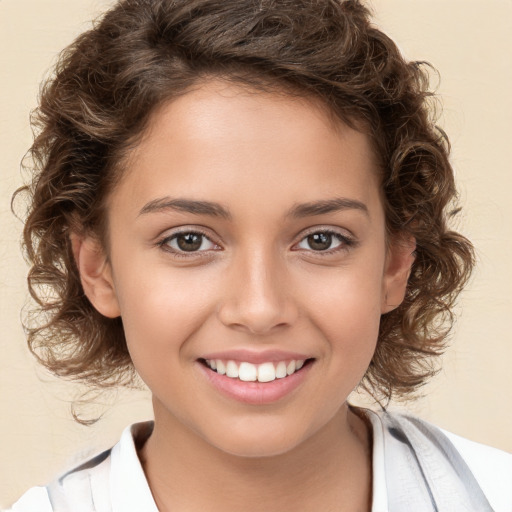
[188,242]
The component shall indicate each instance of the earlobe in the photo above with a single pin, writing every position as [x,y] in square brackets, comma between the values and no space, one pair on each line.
[95,274]
[399,261]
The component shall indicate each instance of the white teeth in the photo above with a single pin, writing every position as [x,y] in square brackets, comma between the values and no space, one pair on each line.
[248,372]
[221,368]
[266,372]
[281,370]
[232,369]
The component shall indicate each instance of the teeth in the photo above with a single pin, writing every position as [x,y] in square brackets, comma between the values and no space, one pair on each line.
[281,370]
[266,372]
[232,370]
[221,368]
[248,372]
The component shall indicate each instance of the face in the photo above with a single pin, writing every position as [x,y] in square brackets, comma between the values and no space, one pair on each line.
[247,236]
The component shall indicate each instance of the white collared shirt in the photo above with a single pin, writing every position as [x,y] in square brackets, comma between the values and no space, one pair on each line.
[115,481]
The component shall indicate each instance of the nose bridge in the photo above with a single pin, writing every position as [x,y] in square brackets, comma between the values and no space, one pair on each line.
[257,298]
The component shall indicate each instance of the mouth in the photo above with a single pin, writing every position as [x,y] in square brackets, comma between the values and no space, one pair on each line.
[248,372]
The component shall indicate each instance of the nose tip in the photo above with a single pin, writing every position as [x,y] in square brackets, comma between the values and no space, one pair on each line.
[257,303]
[255,318]
[256,315]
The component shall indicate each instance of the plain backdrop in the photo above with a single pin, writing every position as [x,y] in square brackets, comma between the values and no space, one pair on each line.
[469,42]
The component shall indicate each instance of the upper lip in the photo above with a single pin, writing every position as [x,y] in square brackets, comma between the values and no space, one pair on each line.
[256,357]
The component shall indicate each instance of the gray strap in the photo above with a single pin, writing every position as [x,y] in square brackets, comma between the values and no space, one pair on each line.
[424,471]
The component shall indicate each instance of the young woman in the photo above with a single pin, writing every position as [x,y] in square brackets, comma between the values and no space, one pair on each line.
[246,203]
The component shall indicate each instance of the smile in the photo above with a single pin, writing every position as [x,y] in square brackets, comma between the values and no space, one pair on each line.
[249,372]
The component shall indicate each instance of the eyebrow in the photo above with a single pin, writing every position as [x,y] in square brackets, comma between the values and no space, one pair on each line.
[186,205]
[325,206]
[212,209]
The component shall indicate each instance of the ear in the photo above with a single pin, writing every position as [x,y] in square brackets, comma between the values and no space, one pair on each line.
[95,274]
[399,260]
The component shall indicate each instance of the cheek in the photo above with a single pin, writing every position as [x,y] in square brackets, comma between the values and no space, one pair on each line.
[345,306]
[346,289]
[162,308]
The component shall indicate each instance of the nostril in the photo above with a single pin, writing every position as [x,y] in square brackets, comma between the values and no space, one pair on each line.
[257,308]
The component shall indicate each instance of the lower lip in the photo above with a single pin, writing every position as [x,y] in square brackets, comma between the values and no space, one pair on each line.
[256,393]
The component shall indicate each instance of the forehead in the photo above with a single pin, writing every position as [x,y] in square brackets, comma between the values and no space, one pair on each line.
[222,138]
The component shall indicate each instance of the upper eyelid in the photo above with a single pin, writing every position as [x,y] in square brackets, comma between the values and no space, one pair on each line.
[348,240]
[164,244]
[174,235]
[342,232]
[168,234]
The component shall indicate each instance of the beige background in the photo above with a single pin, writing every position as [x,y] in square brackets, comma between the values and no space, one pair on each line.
[470,42]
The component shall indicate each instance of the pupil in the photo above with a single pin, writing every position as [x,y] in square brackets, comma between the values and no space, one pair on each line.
[189,242]
[320,241]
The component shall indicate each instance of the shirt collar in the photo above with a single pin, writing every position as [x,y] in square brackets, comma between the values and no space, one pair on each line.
[379,487]
[130,490]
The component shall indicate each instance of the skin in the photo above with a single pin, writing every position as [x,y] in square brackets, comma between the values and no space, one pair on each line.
[256,283]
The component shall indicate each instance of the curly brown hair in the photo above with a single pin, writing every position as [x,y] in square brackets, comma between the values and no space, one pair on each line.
[109,81]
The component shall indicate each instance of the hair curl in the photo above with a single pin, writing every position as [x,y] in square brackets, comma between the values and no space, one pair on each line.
[109,81]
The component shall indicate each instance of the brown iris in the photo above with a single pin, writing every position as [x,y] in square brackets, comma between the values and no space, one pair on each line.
[189,241]
[320,241]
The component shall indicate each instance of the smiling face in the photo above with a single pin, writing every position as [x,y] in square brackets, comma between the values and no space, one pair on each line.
[247,236]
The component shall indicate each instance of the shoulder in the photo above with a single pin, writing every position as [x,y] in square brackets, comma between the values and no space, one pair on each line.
[441,456]
[484,461]
[113,476]
[35,499]
[86,484]
[491,467]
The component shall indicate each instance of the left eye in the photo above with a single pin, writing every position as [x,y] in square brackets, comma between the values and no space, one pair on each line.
[321,241]
[190,242]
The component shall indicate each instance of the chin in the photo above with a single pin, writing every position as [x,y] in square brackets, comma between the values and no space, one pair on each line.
[258,447]
[258,440]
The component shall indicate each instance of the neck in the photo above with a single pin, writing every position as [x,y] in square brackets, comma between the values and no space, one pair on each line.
[331,470]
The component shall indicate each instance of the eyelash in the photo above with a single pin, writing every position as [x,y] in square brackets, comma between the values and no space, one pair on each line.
[164,244]
[346,242]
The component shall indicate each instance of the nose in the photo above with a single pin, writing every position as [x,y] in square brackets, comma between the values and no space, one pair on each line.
[257,299]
